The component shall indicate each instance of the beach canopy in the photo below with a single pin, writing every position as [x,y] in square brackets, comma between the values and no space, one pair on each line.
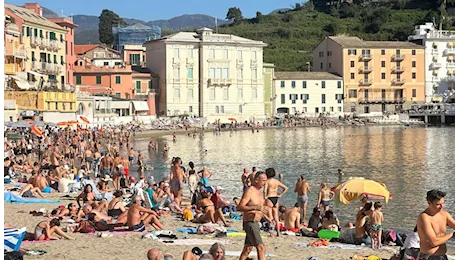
[13,238]
[356,187]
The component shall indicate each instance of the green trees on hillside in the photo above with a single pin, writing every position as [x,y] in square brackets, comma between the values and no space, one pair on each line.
[107,19]
[235,15]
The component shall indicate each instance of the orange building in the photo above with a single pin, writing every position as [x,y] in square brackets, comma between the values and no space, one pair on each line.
[15,52]
[91,51]
[379,76]
[123,81]
[134,55]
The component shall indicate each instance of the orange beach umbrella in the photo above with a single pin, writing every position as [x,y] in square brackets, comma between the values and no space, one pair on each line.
[37,131]
[232,119]
[85,120]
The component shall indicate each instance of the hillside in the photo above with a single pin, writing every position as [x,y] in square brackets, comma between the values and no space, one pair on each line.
[87,30]
[292,36]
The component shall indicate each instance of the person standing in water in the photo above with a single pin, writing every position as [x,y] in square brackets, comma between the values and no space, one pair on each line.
[301,188]
[325,196]
[272,197]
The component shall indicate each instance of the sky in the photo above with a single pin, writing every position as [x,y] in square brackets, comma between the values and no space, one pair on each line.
[148,10]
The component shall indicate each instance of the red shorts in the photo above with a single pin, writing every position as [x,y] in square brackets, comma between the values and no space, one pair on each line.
[126,172]
[291,229]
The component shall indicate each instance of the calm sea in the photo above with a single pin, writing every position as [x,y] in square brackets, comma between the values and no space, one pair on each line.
[409,160]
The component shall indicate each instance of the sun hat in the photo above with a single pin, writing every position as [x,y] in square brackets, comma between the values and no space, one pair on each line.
[107,178]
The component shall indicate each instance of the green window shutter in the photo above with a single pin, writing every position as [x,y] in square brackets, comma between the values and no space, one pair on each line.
[304,83]
[28,31]
[55,59]
[138,87]
[33,56]
[190,73]
[78,80]
[41,33]
[35,32]
[98,80]
[118,79]
[49,58]
[62,60]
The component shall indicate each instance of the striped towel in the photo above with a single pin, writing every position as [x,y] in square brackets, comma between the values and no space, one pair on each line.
[13,238]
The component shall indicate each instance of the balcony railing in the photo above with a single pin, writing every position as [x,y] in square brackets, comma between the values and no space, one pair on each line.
[365,82]
[382,100]
[47,68]
[21,53]
[219,81]
[397,82]
[365,69]
[398,57]
[397,69]
[450,65]
[35,41]
[53,45]
[449,51]
[436,65]
[365,57]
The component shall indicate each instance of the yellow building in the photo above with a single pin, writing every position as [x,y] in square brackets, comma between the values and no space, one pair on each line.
[378,76]
[269,73]
[44,44]
[15,53]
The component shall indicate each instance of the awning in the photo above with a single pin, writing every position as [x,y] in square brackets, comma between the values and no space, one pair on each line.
[141,106]
[38,75]
[22,84]
[120,104]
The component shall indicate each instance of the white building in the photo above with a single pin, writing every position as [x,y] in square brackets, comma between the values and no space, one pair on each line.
[308,93]
[439,59]
[210,75]
[107,62]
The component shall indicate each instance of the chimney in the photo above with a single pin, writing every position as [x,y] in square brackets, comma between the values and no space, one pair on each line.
[35,7]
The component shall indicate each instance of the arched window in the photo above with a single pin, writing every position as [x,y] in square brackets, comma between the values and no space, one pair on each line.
[81,109]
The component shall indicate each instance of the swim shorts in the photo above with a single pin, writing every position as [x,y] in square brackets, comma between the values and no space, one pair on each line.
[176,185]
[126,172]
[302,199]
[130,158]
[47,189]
[325,203]
[252,230]
[376,227]
[423,256]
[139,227]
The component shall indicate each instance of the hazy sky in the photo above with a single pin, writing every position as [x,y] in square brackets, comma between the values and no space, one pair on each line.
[155,10]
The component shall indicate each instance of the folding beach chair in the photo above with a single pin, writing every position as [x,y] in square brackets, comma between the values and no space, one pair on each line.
[13,238]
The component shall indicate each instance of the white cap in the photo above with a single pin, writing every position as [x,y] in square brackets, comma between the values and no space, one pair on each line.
[219,188]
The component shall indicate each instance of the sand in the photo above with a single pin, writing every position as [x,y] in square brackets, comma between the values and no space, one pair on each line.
[132,246]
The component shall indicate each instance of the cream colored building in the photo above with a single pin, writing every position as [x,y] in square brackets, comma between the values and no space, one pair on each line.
[210,75]
[10,110]
[378,76]
[44,43]
[308,93]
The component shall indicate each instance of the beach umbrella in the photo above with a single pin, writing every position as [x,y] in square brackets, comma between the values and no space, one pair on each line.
[232,119]
[8,123]
[37,131]
[20,124]
[85,120]
[62,123]
[72,122]
[355,187]
[51,124]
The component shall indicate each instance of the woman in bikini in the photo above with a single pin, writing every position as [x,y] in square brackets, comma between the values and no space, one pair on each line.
[89,197]
[325,197]
[272,197]
[116,209]
[71,211]
[45,229]
[205,210]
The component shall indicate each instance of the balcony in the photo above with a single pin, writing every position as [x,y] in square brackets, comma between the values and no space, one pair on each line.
[53,45]
[450,65]
[398,57]
[397,70]
[436,65]
[12,28]
[365,82]
[20,53]
[397,82]
[34,41]
[365,57]
[219,82]
[43,43]
[381,100]
[365,69]
[47,68]
[434,52]
[449,51]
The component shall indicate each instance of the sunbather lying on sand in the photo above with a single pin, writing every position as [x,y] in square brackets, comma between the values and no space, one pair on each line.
[45,229]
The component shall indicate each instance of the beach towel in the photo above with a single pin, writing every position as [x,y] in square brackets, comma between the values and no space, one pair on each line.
[238,253]
[188,230]
[13,238]
[332,246]
[192,242]
[11,198]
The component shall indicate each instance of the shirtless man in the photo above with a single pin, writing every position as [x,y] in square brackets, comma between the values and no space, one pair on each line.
[116,171]
[301,188]
[105,162]
[245,179]
[136,222]
[252,175]
[43,184]
[252,206]
[176,178]
[132,153]
[292,219]
[88,158]
[55,157]
[432,227]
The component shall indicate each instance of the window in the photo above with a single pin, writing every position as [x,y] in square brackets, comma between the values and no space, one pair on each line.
[61,38]
[176,73]
[414,76]
[138,87]
[56,105]
[212,53]
[323,84]
[117,79]
[351,52]
[190,94]
[283,98]
[217,109]
[321,65]
[190,109]
[62,60]
[98,80]
[254,93]
[414,64]
[383,64]
[323,109]
[106,63]
[240,93]
[28,31]
[293,84]
[352,76]
[323,98]
[414,92]
[240,108]
[225,93]
[254,74]
[339,109]
[190,55]
[41,33]
[383,94]
[212,73]
[304,84]
[352,93]
[218,73]
[35,32]
[382,52]
[222,109]
[176,52]
[177,93]
[212,93]
[282,84]
[383,75]
[329,65]
[366,110]
[240,73]
[413,52]
[305,109]
[240,55]
[70,105]
[352,63]
[49,58]
[225,73]
[224,54]
[134,59]
[293,98]
[331,109]
[339,84]
[190,73]
[78,79]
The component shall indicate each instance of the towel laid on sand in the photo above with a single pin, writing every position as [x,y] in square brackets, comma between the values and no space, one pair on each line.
[192,242]
[342,246]
[11,198]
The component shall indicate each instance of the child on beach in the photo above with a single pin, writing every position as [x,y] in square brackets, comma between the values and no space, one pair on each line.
[376,219]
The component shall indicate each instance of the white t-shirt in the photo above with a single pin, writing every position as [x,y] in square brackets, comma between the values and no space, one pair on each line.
[81,173]
[412,240]
[63,184]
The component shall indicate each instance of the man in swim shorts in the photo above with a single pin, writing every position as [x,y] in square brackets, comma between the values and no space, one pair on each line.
[432,227]
[301,188]
[132,153]
[136,222]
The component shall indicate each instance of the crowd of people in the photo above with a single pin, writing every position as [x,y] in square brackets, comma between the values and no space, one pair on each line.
[90,161]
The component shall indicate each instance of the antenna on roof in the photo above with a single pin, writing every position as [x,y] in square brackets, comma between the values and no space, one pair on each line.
[215,21]
[62,13]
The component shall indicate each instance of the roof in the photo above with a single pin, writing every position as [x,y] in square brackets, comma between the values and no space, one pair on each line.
[30,16]
[80,49]
[355,42]
[303,75]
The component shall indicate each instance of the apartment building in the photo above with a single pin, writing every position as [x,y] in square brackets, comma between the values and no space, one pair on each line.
[378,76]
[211,75]
[44,42]
[15,52]
[89,52]
[308,93]
[269,91]
[133,54]
[439,60]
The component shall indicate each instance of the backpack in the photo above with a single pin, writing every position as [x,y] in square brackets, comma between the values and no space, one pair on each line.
[86,227]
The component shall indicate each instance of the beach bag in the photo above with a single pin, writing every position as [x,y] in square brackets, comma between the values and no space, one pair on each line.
[86,227]
[15,255]
[207,228]
[188,215]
